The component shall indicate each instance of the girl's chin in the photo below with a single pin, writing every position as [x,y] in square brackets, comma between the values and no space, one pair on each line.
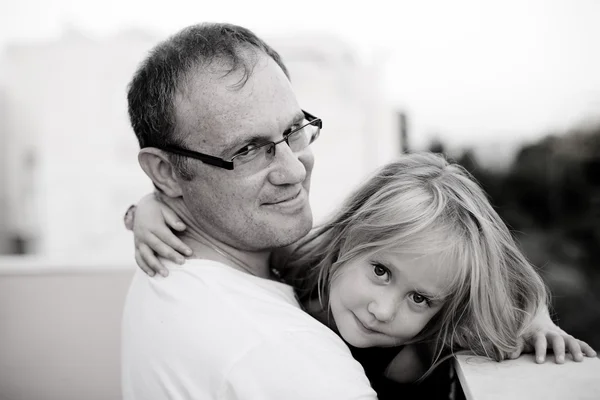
[361,342]
[355,339]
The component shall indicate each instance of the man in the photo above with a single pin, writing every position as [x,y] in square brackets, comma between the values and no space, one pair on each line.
[225,141]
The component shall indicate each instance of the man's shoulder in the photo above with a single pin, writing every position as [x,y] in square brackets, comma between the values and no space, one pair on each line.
[214,278]
[316,364]
[223,281]
[231,332]
[211,300]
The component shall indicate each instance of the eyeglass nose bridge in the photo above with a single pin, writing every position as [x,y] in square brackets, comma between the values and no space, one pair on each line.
[272,147]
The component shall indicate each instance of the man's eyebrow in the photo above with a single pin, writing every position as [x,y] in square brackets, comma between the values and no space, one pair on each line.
[259,138]
[236,145]
[297,118]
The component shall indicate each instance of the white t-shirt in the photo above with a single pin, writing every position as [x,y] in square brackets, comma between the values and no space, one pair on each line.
[209,331]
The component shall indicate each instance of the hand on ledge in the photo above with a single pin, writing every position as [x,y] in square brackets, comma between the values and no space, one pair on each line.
[543,333]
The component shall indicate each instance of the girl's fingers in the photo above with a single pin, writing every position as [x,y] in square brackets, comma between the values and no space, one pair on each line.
[540,346]
[129,217]
[163,249]
[515,354]
[150,258]
[167,238]
[171,218]
[142,264]
[587,349]
[558,346]
[574,348]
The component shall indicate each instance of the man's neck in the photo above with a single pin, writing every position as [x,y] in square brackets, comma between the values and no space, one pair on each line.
[206,246]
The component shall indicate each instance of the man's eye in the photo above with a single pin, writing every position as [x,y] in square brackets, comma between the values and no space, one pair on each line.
[246,150]
[294,128]
[296,134]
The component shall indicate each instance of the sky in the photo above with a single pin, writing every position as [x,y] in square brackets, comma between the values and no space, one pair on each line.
[468,72]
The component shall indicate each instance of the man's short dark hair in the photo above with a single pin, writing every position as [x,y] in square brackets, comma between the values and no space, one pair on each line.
[151,92]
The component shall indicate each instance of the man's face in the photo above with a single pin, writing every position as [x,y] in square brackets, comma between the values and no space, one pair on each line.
[247,208]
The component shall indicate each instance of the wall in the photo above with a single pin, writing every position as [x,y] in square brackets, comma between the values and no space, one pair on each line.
[60,329]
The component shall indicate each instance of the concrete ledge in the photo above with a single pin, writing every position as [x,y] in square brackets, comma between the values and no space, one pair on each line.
[482,379]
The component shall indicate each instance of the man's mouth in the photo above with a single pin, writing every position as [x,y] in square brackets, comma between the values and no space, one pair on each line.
[289,205]
[285,199]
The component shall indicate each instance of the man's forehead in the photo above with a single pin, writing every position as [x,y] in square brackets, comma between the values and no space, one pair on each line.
[212,109]
[205,83]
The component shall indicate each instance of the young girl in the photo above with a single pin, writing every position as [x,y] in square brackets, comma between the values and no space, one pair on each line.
[417,255]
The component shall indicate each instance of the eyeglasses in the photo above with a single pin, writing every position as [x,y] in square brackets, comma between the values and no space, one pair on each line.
[259,155]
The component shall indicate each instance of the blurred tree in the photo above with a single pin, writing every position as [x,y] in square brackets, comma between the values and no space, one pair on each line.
[550,197]
[436,146]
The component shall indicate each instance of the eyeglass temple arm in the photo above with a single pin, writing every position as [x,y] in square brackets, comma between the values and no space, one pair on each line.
[205,158]
[312,118]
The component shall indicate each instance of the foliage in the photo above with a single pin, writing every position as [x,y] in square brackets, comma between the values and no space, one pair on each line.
[550,197]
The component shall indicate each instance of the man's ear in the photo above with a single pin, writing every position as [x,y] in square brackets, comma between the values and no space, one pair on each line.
[157,166]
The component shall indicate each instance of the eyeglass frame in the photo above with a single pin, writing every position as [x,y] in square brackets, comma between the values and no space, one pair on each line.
[228,164]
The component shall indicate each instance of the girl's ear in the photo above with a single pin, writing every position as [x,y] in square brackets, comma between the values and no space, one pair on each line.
[160,170]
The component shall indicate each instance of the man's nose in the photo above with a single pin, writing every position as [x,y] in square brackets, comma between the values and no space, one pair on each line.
[287,167]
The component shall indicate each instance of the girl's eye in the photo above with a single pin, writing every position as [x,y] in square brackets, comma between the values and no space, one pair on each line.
[419,299]
[381,271]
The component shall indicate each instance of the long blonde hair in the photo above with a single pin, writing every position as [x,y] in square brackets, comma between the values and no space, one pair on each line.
[422,204]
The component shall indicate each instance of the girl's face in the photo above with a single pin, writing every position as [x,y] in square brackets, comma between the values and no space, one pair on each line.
[386,299]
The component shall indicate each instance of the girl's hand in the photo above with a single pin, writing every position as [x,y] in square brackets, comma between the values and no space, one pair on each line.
[543,333]
[152,224]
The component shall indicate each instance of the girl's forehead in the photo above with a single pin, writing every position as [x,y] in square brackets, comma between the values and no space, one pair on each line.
[423,260]
[436,268]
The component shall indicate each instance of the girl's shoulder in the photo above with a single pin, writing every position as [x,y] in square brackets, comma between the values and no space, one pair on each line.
[375,360]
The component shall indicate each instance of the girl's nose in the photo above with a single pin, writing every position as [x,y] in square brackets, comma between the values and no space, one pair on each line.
[383,309]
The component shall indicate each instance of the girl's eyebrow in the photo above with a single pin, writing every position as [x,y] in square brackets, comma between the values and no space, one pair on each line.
[431,295]
[436,298]
[425,293]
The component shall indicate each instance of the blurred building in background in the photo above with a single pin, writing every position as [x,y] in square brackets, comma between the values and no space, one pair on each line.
[68,167]
[4,228]
[71,155]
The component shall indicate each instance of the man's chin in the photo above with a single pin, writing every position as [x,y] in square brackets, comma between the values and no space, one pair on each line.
[293,234]
[294,227]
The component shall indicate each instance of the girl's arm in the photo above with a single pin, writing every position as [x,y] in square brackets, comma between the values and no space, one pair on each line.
[152,223]
[413,361]
[409,364]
